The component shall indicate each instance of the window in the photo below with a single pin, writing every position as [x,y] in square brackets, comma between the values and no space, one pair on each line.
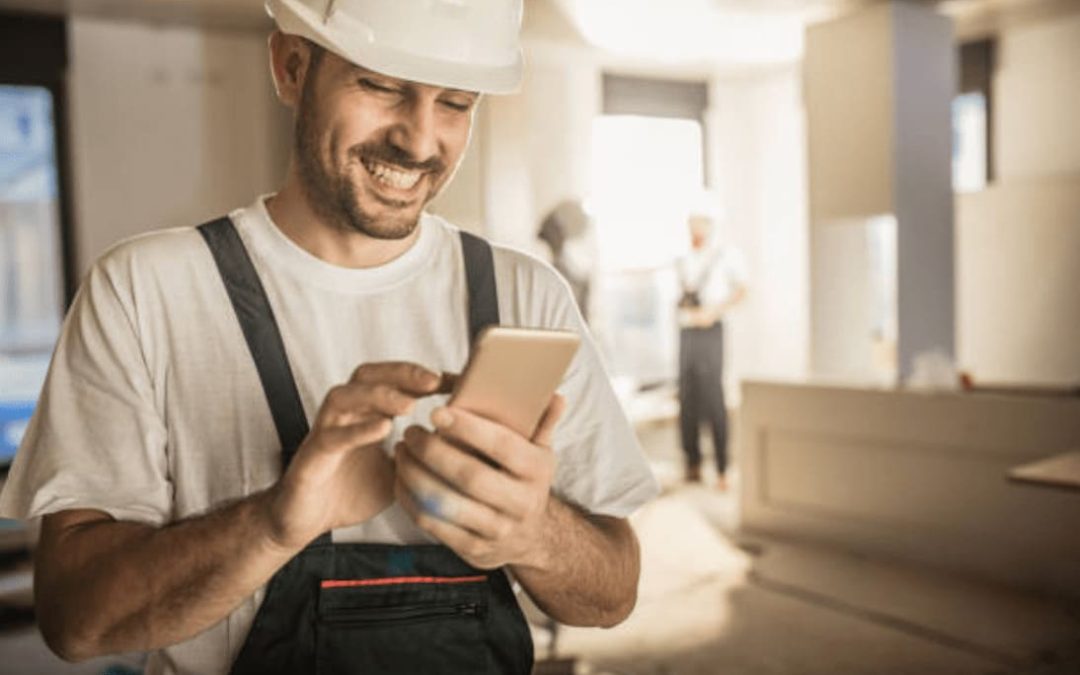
[648,165]
[33,257]
[972,117]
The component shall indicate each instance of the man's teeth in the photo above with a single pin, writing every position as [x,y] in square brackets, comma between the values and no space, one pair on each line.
[395,178]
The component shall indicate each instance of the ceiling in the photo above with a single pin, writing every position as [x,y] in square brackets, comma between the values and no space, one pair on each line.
[729,32]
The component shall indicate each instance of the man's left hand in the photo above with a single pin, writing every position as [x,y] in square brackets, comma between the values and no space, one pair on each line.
[478,487]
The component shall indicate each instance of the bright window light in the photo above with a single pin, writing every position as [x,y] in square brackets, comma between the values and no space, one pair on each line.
[646,170]
[646,173]
[969,142]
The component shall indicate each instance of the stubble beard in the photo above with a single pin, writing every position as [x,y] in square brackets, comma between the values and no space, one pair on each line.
[333,195]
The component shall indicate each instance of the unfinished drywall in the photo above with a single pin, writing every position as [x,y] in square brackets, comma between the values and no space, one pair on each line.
[1036,97]
[170,126]
[1018,242]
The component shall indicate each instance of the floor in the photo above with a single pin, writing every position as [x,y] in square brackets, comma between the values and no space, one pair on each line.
[715,602]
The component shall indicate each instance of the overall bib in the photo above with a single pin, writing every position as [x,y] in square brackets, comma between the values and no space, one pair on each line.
[371,609]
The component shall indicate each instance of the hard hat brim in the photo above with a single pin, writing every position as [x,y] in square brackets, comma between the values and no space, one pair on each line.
[295,19]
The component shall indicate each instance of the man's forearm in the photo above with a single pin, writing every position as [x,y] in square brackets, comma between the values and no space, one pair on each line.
[124,587]
[588,568]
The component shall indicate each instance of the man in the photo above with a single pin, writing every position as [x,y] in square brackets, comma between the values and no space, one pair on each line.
[563,225]
[187,506]
[713,279]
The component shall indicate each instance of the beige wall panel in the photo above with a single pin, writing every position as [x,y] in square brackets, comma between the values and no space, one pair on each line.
[849,107]
[1037,96]
[170,127]
[1018,282]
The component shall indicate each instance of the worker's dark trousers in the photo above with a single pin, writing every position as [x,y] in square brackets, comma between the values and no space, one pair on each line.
[701,391]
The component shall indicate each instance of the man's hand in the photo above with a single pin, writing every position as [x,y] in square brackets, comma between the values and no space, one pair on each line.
[340,475]
[478,487]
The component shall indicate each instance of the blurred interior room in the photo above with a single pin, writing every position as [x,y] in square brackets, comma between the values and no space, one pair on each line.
[901,180]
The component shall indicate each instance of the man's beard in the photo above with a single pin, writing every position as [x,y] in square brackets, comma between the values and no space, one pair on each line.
[335,198]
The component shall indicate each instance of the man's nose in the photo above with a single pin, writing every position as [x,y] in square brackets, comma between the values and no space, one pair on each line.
[415,132]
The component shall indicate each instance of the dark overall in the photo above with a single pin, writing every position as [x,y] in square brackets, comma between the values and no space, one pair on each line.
[375,609]
[701,379]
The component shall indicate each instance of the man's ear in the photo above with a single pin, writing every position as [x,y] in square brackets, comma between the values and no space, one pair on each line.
[290,60]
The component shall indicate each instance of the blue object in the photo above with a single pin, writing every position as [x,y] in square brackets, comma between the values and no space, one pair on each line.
[14,418]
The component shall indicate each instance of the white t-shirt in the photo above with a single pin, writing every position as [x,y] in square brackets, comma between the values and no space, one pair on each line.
[715,272]
[153,410]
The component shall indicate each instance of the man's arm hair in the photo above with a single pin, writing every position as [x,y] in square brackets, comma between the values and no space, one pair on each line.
[590,575]
[104,586]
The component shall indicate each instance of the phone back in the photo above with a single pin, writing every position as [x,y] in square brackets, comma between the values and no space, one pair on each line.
[512,374]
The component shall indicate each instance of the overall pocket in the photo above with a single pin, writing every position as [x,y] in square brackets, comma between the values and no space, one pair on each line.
[421,625]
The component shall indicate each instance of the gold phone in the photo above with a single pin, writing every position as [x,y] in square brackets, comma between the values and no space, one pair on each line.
[512,374]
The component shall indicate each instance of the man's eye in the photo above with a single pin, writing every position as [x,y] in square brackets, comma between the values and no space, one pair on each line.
[372,85]
[457,105]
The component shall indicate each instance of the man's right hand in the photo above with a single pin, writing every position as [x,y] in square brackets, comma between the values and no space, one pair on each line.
[204,566]
[340,475]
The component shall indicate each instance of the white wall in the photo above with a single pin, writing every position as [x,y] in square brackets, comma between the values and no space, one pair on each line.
[1018,280]
[170,127]
[1037,99]
[757,154]
[538,143]
[1018,255]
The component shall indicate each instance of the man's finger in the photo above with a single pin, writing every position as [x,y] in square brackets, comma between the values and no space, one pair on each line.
[492,440]
[410,378]
[461,541]
[342,439]
[348,403]
[546,428]
[440,499]
[465,472]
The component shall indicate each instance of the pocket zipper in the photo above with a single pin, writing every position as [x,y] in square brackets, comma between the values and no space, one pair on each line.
[385,615]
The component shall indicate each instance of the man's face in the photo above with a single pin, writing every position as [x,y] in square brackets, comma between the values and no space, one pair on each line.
[700,227]
[372,150]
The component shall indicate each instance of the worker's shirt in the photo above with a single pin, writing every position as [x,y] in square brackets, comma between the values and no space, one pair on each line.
[153,410]
[714,272]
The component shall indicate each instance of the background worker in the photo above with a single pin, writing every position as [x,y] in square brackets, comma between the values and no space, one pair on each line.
[713,281]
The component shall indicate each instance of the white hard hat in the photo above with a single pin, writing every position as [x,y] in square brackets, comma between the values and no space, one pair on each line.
[460,44]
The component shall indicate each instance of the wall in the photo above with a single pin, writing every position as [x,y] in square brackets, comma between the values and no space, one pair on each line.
[1037,96]
[170,126]
[1018,255]
[1018,279]
[758,155]
[879,83]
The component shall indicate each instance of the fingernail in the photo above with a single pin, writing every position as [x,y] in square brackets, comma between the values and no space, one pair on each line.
[441,417]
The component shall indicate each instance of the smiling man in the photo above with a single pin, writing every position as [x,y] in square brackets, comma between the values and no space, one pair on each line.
[243,459]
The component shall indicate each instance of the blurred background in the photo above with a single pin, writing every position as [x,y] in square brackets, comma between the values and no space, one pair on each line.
[902,181]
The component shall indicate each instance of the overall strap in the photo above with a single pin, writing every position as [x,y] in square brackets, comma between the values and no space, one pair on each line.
[261,332]
[480,276]
[263,337]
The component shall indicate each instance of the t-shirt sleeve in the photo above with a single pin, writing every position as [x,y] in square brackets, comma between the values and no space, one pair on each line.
[601,466]
[96,439]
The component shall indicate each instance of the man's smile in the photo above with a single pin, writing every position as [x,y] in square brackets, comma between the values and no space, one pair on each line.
[391,176]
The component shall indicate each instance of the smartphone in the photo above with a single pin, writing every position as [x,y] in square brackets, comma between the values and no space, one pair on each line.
[512,374]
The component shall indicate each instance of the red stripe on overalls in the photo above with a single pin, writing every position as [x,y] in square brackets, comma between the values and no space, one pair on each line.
[391,581]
